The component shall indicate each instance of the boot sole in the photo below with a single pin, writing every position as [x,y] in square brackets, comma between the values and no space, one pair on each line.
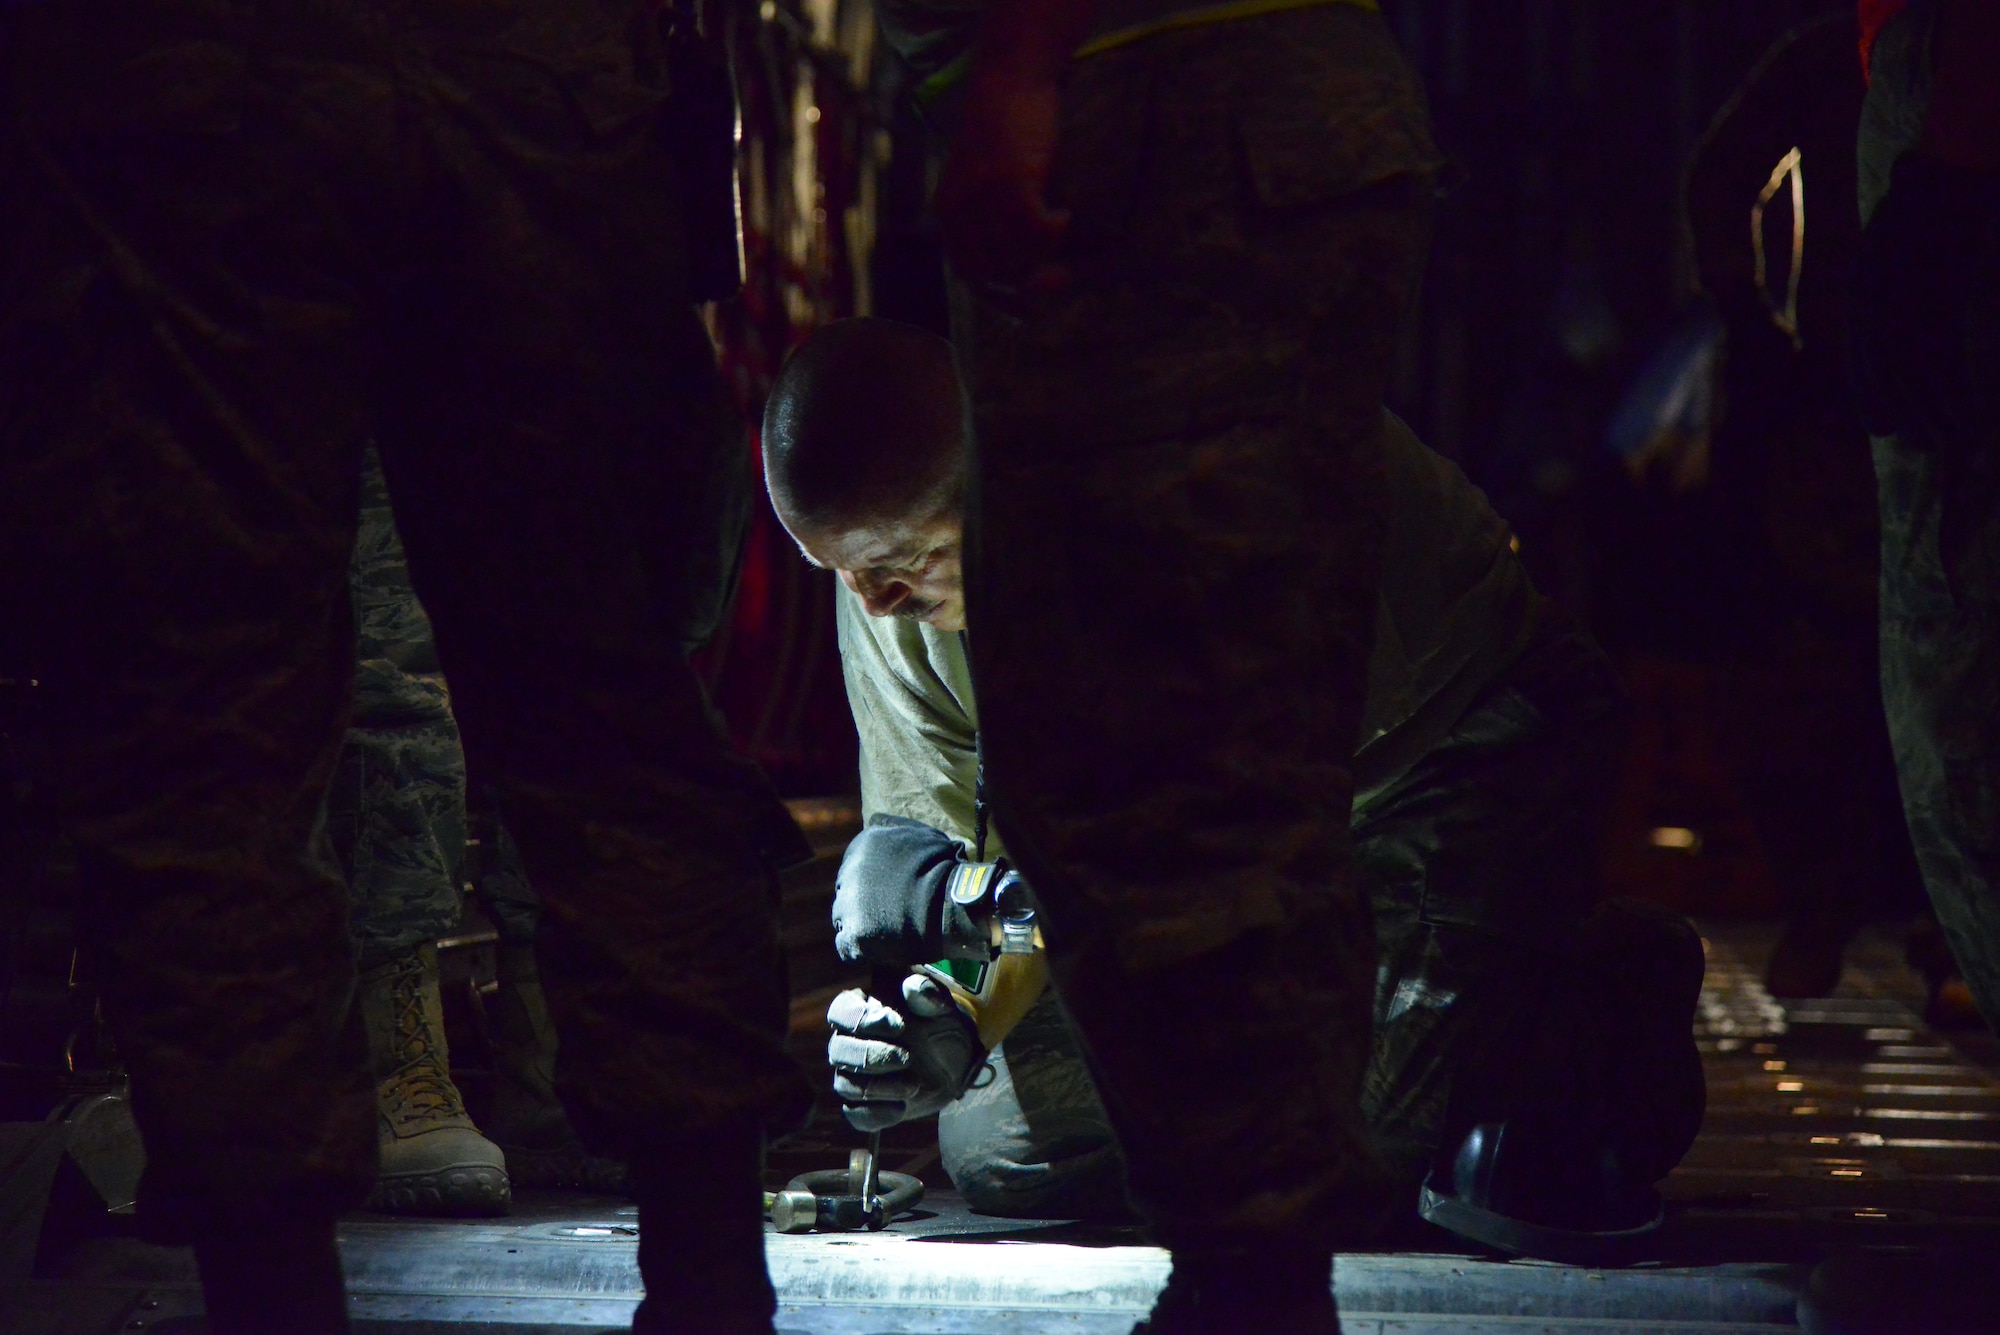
[466,1190]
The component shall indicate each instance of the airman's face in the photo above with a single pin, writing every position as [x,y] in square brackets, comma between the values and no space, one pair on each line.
[905,566]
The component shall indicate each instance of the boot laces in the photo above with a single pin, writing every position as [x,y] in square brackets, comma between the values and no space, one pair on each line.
[420,1087]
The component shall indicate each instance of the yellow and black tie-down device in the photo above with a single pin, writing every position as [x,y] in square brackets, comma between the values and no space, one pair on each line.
[994,994]
[997,993]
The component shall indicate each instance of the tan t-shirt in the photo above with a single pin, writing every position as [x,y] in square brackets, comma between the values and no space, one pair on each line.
[1456,608]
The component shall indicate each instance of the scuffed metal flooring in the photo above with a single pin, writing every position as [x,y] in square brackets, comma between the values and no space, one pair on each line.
[1832,1124]
[1838,1122]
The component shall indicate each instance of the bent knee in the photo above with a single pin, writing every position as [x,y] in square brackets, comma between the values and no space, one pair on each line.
[1073,1177]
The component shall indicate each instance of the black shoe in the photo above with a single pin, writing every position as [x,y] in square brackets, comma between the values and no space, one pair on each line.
[277,1278]
[1543,1196]
[1951,1008]
[1950,1005]
[1262,1318]
[1570,1177]
[1900,1291]
[1228,1294]
[1807,961]
[701,1237]
[1649,963]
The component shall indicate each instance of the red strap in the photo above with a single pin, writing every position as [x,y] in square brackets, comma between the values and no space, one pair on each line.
[1875,16]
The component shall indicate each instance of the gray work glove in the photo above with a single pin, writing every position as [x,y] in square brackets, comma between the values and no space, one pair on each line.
[891,1065]
[889,902]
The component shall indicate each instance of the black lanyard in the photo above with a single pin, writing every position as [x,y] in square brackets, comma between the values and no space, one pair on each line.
[979,817]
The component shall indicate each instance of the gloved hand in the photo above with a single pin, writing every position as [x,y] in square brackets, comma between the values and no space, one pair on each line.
[889,902]
[891,1064]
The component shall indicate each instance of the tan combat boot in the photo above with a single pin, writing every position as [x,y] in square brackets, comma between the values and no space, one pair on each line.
[434,1161]
[528,1119]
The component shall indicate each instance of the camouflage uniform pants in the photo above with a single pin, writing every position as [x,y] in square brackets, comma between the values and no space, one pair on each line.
[1940,592]
[236,243]
[396,813]
[1478,862]
[1176,522]
[1941,691]
[395,810]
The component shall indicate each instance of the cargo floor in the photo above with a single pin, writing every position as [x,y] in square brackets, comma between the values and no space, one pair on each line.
[1835,1124]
